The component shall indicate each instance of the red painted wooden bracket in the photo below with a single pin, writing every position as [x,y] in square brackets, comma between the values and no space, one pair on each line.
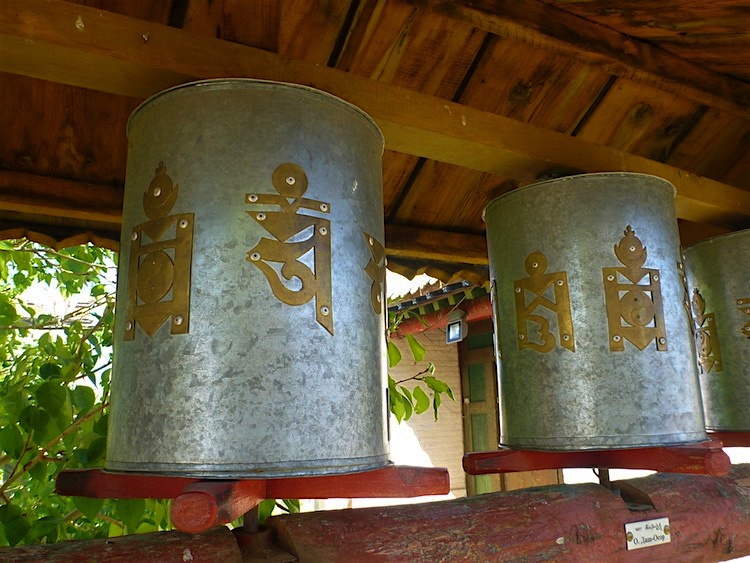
[706,458]
[732,439]
[200,504]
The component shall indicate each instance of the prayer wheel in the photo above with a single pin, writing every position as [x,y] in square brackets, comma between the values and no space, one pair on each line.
[718,271]
[250,321]
[591,315]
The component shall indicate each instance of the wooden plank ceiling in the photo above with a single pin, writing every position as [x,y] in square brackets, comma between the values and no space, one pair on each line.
[475,97]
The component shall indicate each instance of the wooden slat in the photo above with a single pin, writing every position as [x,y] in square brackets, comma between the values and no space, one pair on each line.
[561,32]
[108,52]
[410,242]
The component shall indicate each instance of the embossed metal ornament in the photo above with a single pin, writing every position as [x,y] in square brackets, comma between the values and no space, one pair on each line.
[160,260]
[546,291]
[564,262]
[706,336]
[278,365]
[295,235]
[634,308]
[375,269]
[719,269]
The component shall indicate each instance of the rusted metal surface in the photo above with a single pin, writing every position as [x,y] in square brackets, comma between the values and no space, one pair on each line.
[161,547]
[709,519]
[706,459]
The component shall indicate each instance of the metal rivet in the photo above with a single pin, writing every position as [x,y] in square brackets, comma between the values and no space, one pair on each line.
[662,340]
[559,282]
[134,236]
[518,290]
[157,192]
[323,231]
[631,248]
[616,338]
[291,180]
[252,198]
[261,216]
[184,223]
[128,325]
[324,207]
[566,337]
[324,310]
[535,264]
[371,241]
[656,278]
[255,256]
[178,320]
[521,337]
[610,278]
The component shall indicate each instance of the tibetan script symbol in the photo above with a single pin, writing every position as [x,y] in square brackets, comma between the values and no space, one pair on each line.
[159,269]
[743,305]
[297,236]
[376,270]
[634,310]
[706,336]
[686,296]
[548,291]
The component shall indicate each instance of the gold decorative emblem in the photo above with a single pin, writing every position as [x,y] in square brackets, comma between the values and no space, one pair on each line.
[706,336]
[160,260]
[743,305]
[634,310]
[686,296]
[297,236]
[376,270]
[548,291]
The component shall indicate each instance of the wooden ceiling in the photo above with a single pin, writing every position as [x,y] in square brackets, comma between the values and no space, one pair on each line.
[475,97]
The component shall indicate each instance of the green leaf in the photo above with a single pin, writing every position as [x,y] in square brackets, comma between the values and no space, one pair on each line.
[417,350]
[292,505]
[422,401]
[435,404]
[100,426]
[397,404]
[14,523]
[83,397]
[130,511]
[51,396]
[38,471]
[8,314]
[90,507]
[437,385]
[265,508]
[97,449]
[45,526]
[49,370]
[394,355]
[11,441]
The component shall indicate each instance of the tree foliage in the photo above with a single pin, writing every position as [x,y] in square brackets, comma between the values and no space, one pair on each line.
[55,372]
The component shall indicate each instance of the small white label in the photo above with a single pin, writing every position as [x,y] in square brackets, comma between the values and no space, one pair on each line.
[647,533]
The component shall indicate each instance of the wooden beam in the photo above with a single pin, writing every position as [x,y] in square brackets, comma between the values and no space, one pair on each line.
[86,47]
[31,193]
[547,27]
[429,244]
[55,197]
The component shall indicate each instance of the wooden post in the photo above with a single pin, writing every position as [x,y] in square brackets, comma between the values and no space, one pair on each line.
[709,520]
[216,545]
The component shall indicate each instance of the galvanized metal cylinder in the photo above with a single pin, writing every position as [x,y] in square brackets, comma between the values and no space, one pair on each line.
[250,322]
[718,271]
[595,349]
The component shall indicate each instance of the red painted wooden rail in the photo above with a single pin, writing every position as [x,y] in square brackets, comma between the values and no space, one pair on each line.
[706,458]
[200,504]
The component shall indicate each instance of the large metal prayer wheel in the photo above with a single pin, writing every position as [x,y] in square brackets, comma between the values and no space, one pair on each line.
[249,334]
[718,271]
[595,349]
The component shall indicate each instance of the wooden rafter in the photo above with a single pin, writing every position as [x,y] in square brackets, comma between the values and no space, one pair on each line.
[548,27]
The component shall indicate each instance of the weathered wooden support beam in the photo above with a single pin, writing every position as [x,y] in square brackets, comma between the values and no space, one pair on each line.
[706,458]
[432,244]
[218,544]
[86,47]
[548,27]
[709,520]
